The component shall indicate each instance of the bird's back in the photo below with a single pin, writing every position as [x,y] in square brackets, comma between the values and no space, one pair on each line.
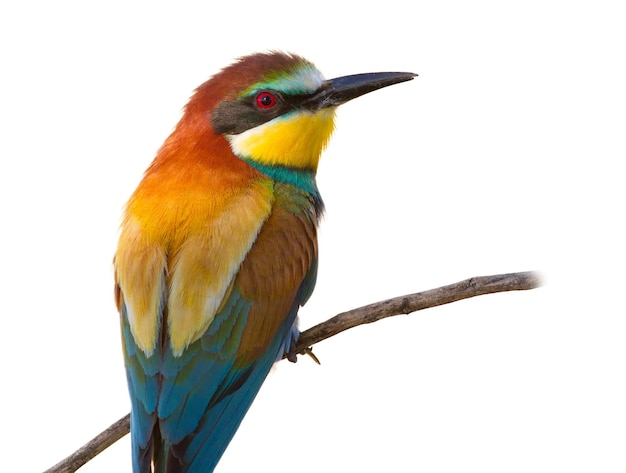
[213,263]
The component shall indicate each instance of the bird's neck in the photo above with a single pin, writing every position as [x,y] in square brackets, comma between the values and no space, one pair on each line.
[301,178]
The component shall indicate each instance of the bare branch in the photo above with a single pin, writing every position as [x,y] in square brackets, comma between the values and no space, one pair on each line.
[363,315]
[94,447]
[472,287]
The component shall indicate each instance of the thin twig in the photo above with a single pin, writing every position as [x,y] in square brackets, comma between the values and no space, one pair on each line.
[94,447]
[363,315]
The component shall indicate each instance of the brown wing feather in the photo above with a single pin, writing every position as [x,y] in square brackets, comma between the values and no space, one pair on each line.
[273,272]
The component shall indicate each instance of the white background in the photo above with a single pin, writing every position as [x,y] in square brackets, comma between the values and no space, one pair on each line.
[505,155]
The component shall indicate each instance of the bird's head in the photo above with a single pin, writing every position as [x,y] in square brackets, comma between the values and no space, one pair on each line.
[276,109]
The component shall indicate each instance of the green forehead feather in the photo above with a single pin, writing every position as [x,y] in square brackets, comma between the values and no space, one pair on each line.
[303,78]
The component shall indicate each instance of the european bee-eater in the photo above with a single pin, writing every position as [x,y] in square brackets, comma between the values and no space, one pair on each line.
[218,250]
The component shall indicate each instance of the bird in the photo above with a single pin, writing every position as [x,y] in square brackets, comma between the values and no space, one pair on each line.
[218,250]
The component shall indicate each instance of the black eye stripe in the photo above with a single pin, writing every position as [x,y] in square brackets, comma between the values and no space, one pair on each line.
[232,117]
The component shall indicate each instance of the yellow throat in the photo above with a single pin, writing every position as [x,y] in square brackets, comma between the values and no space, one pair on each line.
[295,140]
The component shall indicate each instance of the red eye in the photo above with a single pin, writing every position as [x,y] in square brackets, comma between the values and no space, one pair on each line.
[265,100]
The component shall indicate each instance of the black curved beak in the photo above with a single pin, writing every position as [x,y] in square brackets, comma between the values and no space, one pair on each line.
[334,92]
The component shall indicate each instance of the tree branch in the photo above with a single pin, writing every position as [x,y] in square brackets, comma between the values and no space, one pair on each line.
[94,447]
[472,287]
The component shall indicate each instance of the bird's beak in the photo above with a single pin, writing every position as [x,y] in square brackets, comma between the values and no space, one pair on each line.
[334,92]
